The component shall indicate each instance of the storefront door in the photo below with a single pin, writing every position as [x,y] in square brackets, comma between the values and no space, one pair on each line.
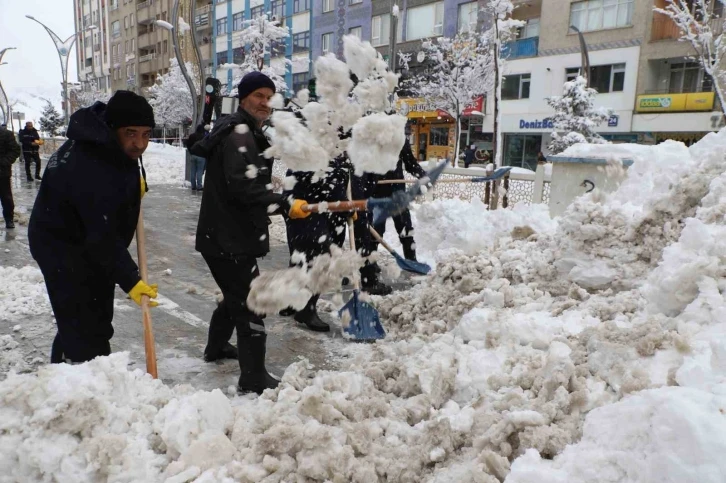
[521,150]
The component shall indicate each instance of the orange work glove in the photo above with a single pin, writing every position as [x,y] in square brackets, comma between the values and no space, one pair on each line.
[296,212]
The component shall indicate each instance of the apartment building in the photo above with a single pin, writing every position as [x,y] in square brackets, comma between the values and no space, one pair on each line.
[199,14]
[91,18]
[292,58]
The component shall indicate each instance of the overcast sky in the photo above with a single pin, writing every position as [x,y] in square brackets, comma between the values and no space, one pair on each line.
[33,70]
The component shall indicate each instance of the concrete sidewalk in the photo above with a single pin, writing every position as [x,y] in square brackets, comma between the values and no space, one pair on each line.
[187,298]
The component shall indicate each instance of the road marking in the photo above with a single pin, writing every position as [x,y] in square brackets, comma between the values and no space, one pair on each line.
[173,309]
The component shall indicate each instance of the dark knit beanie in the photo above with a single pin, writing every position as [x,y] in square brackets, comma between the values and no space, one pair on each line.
[253,81]
[128,109]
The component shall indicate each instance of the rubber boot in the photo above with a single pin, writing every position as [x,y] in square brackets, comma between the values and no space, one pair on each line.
[309,316]
[254,377]
[409,248]
[369,280]
[220,331]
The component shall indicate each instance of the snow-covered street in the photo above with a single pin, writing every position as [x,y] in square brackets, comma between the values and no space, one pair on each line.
[590,348]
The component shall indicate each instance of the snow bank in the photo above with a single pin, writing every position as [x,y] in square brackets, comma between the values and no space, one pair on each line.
[22,293]
[164,164]
[536,352]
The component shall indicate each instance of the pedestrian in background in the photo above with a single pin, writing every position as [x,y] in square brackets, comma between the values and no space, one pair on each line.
[9,152]
[469,153]
[84,219]
[199,164]
[30,139]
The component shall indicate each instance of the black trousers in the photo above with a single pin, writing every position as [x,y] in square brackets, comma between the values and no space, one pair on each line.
[82,303]
[403,224]
[306,235]
[233,276]
[32,157]
[6,198]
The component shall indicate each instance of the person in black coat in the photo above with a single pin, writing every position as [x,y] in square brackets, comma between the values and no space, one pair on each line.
[313,236]
[402,222]
[30,139]
[199,164]
[232,231]
[84,219]
[9,152]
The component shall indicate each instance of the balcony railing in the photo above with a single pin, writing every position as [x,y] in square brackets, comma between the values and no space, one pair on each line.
[206,9]
[145,4]
[116,34]
[666,29]
[147,57]
[521,48]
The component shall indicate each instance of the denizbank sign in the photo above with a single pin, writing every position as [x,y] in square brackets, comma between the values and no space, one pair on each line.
[536,124]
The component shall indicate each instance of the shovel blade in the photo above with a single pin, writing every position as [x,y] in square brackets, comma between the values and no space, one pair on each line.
[411,266]
[365,323]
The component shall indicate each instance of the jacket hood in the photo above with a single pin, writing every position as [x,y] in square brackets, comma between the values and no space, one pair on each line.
[88,125]
[221,130]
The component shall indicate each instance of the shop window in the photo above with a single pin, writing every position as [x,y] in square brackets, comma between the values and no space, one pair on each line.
[516,87]
[520,150]
[439,136]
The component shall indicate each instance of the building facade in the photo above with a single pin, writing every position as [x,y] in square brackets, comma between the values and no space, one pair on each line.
[293,57]
[93,59]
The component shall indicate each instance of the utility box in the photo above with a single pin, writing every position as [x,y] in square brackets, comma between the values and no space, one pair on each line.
[575,176]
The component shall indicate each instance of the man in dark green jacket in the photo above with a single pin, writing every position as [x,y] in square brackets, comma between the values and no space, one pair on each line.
[9,152]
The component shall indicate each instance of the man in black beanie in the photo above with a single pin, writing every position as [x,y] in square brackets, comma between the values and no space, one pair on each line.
[84,219]
[232,231]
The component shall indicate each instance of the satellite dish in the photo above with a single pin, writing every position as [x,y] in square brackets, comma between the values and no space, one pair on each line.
[421,56]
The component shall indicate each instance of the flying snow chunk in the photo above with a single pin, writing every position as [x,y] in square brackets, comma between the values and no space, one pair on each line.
[360,56]
[277,101]
[273,208]
[167,271]
[241,129]
[377,142]
[251,172]
[242,149]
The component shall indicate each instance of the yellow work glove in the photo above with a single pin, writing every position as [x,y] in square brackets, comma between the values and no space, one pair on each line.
[142,288]
[296,211]
[143,187]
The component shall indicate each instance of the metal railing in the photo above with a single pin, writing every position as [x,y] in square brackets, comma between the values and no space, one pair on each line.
[521,48]
[145,4]
[147,57]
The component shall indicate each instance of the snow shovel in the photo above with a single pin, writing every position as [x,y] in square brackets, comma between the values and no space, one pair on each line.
[364,322]
[408,265]
[145,310]
[498,174]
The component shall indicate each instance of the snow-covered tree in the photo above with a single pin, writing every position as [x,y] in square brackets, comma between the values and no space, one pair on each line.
[264,38]
[502,30]
[458,71]
[576,118]
[170,97]
[89,93]
[51,121]
[705,33]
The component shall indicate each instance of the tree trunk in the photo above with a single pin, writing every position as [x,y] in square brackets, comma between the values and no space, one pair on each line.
[457,142]
[496,137]
[719,93]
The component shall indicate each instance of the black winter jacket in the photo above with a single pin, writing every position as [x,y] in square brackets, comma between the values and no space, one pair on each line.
[27,136]
[9,152]
[331,187]
[88,204]
[237,194]
[406,160]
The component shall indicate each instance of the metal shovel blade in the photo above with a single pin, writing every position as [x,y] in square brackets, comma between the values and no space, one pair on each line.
[365,323]
[410,265]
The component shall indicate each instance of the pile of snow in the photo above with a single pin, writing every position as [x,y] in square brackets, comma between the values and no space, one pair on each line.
[593,350]
[22,293]
[164,164]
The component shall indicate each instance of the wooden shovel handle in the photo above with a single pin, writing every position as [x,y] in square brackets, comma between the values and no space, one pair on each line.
[337,206]
[145,310]
[380,239]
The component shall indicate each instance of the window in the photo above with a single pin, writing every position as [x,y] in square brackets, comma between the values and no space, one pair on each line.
[425,21]
[327,6]
[516,87]
[521,150]
[468,13]
[530,29]
[300,81]
[278,48]
[357,31]
[301,42]
[277,8]
[222,26]
[116,27]
[327,40]
[381,30]
[238,21]
[222,57]
[238,55]
[355,2]
[687,77]
[132,19]
[601,14]
[571,74]
[133,45]
[439,136]
[300,5]
[126,46]
[607,78]
[126,22]
[164,47]
[257,11]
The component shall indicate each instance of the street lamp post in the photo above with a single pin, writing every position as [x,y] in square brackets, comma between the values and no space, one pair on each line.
[6,107]
[173,30]
[64,49]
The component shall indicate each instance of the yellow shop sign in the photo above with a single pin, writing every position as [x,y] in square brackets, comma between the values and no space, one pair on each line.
[414,107]
[696,101]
